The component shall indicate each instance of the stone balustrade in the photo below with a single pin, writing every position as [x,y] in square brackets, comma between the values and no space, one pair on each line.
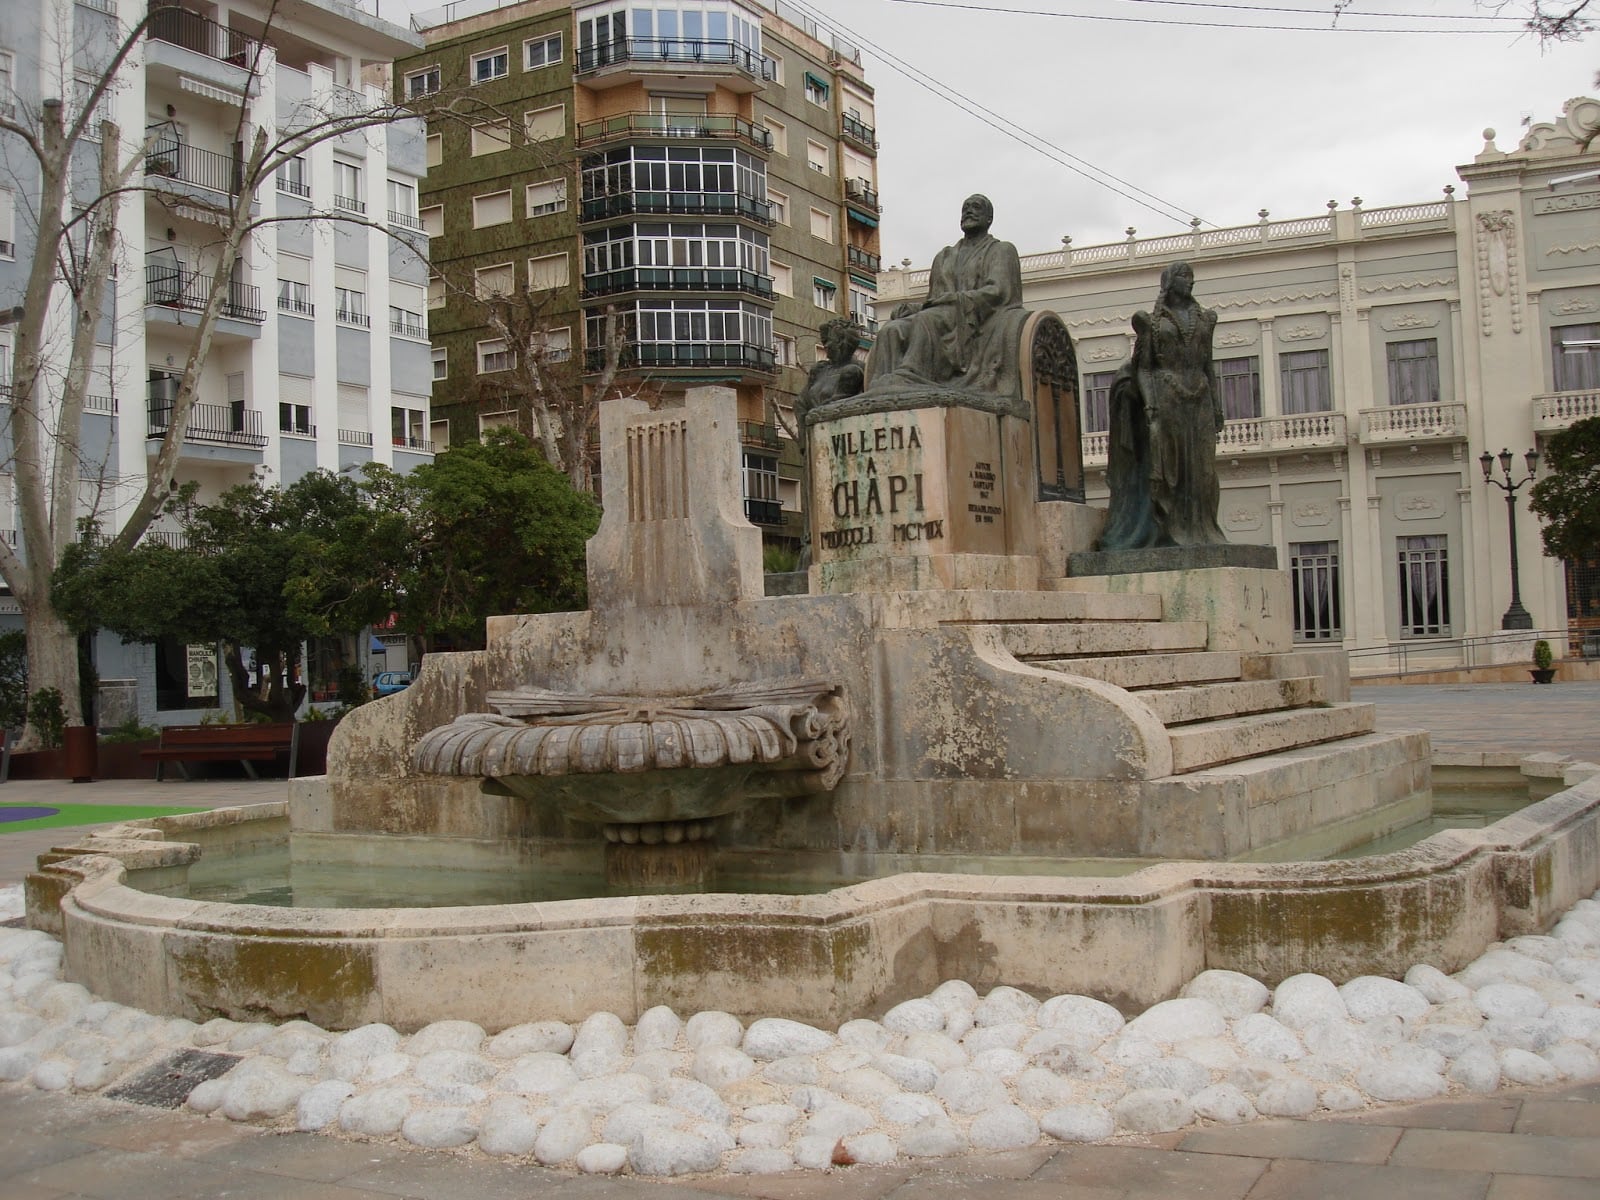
[1440,421]
[1557,410]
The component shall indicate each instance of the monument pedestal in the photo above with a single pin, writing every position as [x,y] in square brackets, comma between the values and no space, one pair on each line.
[917,498]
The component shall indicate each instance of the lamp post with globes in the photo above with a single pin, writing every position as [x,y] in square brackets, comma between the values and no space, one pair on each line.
[1516,616]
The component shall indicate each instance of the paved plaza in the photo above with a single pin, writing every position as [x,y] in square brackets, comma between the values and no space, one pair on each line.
[1541,1145]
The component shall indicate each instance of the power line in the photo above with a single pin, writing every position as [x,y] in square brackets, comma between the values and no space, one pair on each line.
[1337,11]
[1009,128]
[1042,12]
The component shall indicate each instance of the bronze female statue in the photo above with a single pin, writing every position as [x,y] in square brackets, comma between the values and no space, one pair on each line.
[1166,411]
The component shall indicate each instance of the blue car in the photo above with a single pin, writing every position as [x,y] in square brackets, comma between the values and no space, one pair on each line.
[387,683]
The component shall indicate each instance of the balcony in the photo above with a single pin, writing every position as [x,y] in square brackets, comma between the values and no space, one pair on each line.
[1437,422]
[639,59]
[763,512]
[862,260]
[1557,410]
[181,43]
[171,159]
[677,279]
[861,202]
[180,289]
[355,437]
[353,316]
[853,131]
[209,424]
[754,433]
[1253,435]
[719,204]
[406,220]
[727,355]
[300,308]
[632,126]
[413,443]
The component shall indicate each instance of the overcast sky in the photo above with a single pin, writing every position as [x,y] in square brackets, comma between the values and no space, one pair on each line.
[1217,122]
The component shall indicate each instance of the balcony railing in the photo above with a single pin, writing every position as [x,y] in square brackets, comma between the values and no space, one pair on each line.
[1253,435]
[405,220]
[677,279]
[763,512]
[413,443]
[178,287]
[214,424]
[303,308]
[1414,422]
[861,192]
[100,404]
[721,204]
[410,329]
[350,316]
[854,131]
[645,51]
[1557,410]
[754,433]
[862,260]
[175,538]
[171,159]
[294,187]
[354,437]
[350,204]
[693,127]
[191,31]
[686,354]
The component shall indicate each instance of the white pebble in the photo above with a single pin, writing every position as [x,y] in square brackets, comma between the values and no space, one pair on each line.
[1509,1001]
[1179,1074]
[1262,1036]
[1477,1069]
[1434,984]
[933,1137]
[1235,994]
[668,1152]
[1301,1000]
[935,1048]
[1083,1014]
[439,1128]
[542,1073]
[1370,996]
[1574,1060]
[1175,1020]
[207,1096]
[562,1137]
[1223,1103]
[445,1035]
[761,1161]
[602,1158]
[1526,1068]
[869,1149]
[1004,1005]
[763,1135]
[52,1075]
[453,1066]
[375,1113]
[1287,1098]
[915,1016]
[837,1120]
[1043,1089]
[319,1105]
[906,1109]
[712,1028]
[774,1037]
[867,1035]
[552,1037]
[1156,1110]
[1004,1128]
[966,1091]
[718,1066]
[509,1128]
[912,1074]
[266,1091]
[602,1033]
[1398,1082]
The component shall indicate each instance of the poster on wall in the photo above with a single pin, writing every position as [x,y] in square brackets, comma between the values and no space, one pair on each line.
[202,672]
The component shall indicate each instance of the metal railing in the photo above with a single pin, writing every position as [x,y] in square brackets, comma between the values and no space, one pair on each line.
[722,204]
[178,287]
[215,424]
[863,260]
[1449,653]
[754,433]
[1413,422]
[350,204]
[411,443]
[100,404]
[303,308]
[405,220]
[171,159]
[856,131]
[174,538]
[411,329]
[1557,410]
[697,127]
[861,193]
[191,31]
[354,437]
[677,279]
[294,187]
[763,512]
[737,355]
[349,316]
[646,51]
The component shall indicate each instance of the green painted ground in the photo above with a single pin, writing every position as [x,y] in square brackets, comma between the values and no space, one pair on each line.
[86,814]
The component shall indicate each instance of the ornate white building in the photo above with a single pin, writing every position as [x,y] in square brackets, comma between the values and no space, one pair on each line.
[1367,358]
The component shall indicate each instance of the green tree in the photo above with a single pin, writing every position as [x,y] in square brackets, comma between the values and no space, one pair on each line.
[235,582]
[1568,497]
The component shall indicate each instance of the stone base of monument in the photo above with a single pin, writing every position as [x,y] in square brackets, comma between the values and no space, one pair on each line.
[1170,558]
[1244,608]
[684,867]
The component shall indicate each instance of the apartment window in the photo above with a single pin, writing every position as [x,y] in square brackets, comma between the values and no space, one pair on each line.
[436,297]
[488,283]
[295,297]
[782,279]
[505,419]
[780,135]
[406,302]
[1314,591]
[406,427]
[786,350]
[548,271]
[775,68]
[8,91]
[554,345]
[821,225]
[432,219]
[494,355]
[491,209]
[1239,381]
[1414,372]
[541,52]
[1424,586]
[491,137]
[293,177]
[423,83]
[439,434]
[1306,386]
[543,199]
[8,224]
[817,156]
[347,187]
[83,88]
[441,363]
[403,205]
[1576,357]
[816,90]
[823,293]
[1097,401]
[435,149]
[350,297]
[780,206]
[863,307]
[760,481]
[492,64]
[355,421]
[295,419]
[542,124]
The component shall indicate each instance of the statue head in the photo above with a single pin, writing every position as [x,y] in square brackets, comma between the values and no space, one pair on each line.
[1177,280]
[840,337]
[977,214]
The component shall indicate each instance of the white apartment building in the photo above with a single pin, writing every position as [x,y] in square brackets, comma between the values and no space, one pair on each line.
[1368,357]
[321,356]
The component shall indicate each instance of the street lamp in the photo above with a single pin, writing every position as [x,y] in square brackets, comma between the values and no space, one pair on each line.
[1516,616]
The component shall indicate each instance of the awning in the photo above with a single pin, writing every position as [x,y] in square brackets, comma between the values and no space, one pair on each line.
[817,81]
[857,215]
[870,285]
[827,283]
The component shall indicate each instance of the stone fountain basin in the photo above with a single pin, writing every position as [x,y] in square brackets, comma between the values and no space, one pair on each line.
[1131,940]
[639,797]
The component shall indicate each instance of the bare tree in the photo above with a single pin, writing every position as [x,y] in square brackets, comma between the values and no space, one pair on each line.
[75,255]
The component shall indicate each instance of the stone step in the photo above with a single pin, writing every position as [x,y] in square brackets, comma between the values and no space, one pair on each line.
[1211,743]
[961,607]
[1238,698]
[1138,671]
[1103,637]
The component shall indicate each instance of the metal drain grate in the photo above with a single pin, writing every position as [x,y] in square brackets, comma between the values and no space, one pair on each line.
[169,1082]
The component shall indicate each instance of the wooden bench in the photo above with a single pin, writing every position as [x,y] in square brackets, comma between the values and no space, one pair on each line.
[244,744]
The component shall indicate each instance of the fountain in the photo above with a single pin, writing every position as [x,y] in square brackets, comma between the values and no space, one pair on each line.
[946,700]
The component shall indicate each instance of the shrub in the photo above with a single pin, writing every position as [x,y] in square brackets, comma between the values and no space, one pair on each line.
[1543,657]
[48,716]
[129,731]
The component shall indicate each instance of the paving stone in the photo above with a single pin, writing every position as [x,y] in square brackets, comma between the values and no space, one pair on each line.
[1296,1179]
[1324,1141]
[1134,1171]
[168,1083]
[1523,1155]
